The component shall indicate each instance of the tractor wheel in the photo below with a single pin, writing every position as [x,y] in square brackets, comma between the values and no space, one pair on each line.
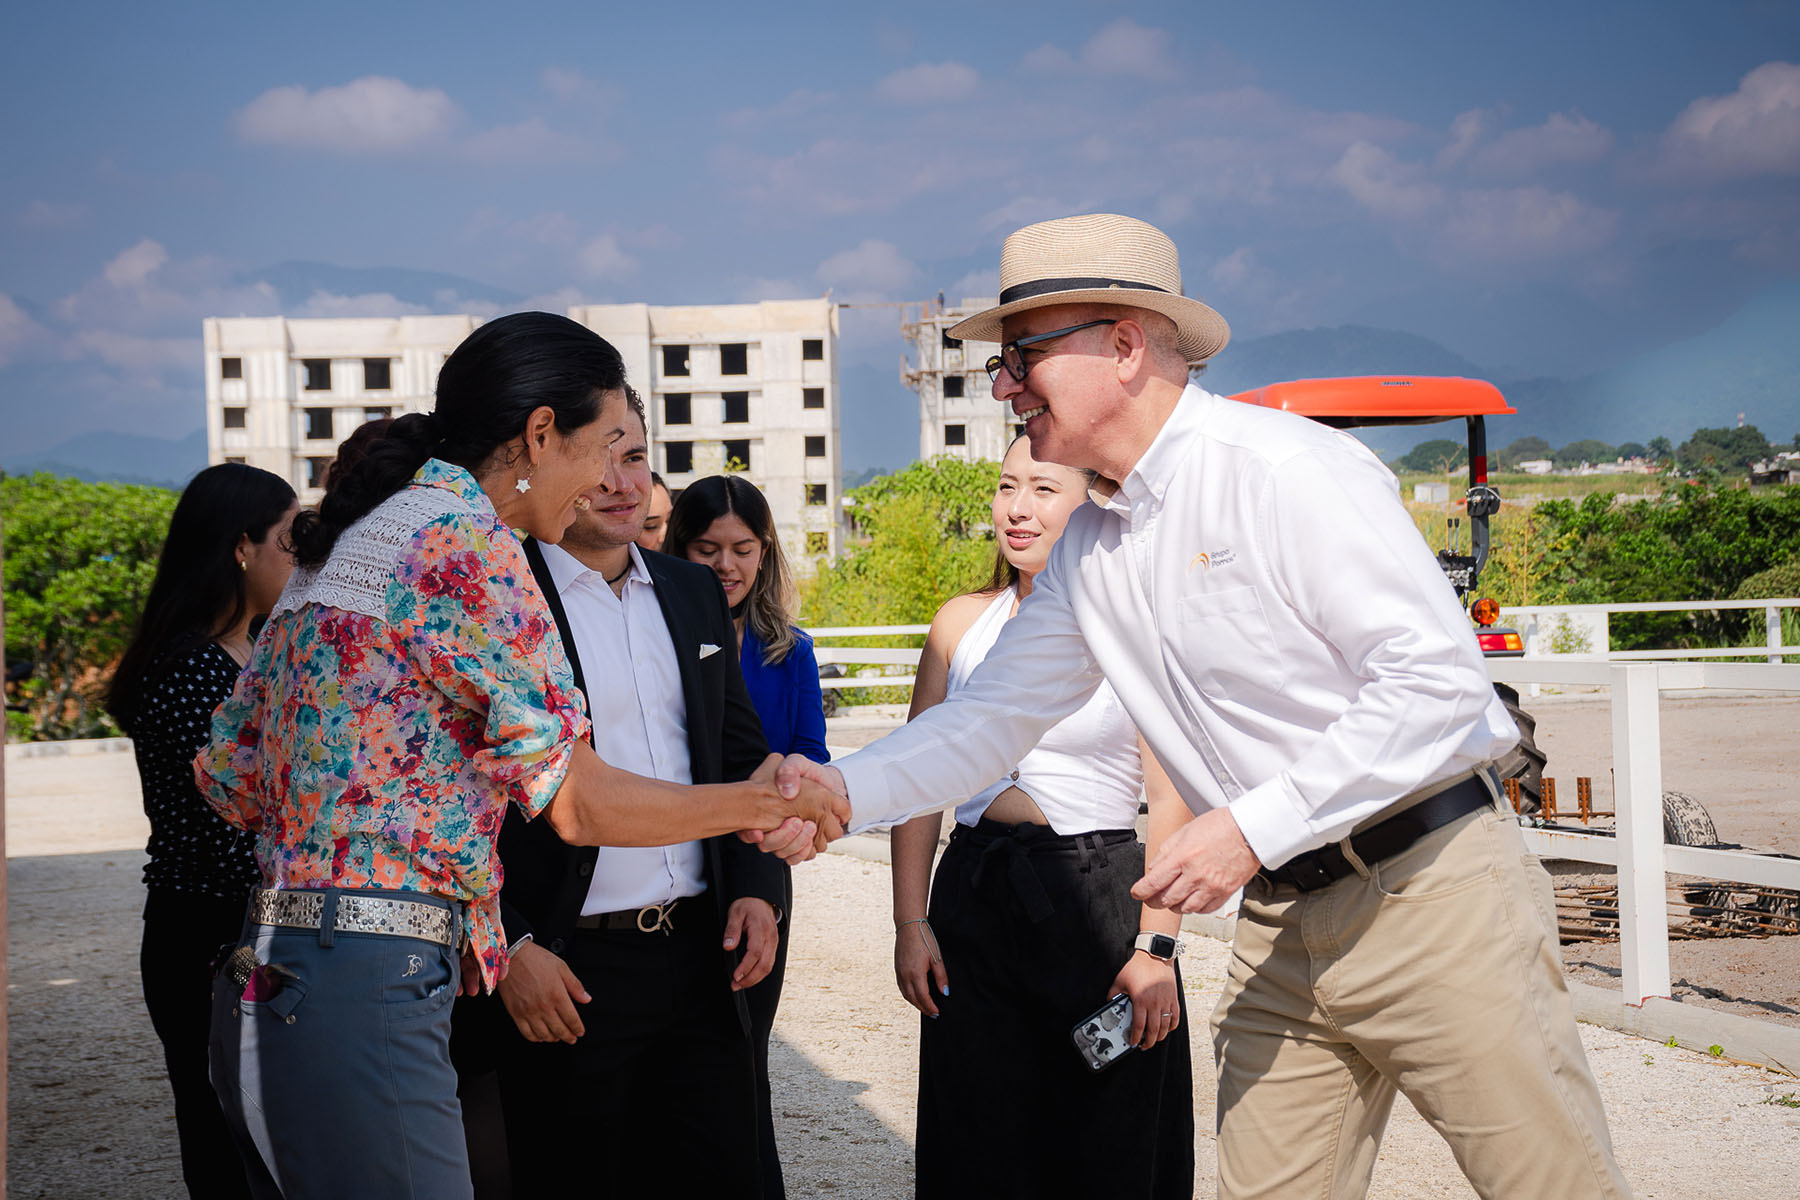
[1686,822]
[1525,762]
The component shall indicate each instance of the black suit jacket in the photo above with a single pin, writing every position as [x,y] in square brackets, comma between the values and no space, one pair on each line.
[546,880]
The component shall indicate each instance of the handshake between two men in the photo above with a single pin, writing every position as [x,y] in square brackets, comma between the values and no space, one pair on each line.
[1198,869]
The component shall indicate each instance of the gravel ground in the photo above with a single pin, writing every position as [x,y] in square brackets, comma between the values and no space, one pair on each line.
[90,1106]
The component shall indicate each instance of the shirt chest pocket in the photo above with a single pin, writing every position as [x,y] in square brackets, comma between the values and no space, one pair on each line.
[1226,646]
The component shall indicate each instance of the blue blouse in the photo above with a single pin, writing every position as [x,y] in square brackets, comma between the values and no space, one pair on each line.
[786,696]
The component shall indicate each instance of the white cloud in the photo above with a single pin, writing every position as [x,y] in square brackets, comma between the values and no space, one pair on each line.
[1048,60]
[530,141]
[1127,48]
[1525,222]
[1562,139]
[133,267]
[930,83]
[372,115]
[976,285]
[365,304]
[872,267]
[46,214]
[1468,130]
[802,102]
[1016,214]
[1235,268]
[1383,184]
[546,229]
[17,330]
[1753,131]
[602,258]
[147,356]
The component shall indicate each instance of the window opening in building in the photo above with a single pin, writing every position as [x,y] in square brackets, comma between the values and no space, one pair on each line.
[675,360]
[231,368]
[234,417]
[235,458]
[378,374]
[315,471]
[812,397]
[734,359]
[678,408]
[951,343]
[956,435]
[737,454]
[815,446]
[318,424]
[818,493]
[953,387]
[818,542]
[737,408]
[812,349]
[678,458]
[318,374]
[377,412]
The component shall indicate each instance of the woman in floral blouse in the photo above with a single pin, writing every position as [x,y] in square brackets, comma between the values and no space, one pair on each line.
[409,684]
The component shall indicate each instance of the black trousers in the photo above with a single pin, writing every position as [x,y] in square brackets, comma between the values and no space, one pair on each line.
[182,936]
[658,1098]
[1033,928]
[762,1001]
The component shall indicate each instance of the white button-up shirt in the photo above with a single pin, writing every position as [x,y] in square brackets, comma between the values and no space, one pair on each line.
[639,716]
[1265,608]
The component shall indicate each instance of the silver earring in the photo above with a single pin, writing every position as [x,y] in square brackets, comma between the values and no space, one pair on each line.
[523,485]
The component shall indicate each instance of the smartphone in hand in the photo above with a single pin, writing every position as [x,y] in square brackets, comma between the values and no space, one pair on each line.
[1103,1037]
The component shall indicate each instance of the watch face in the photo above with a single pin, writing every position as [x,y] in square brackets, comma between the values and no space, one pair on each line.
[1163,946]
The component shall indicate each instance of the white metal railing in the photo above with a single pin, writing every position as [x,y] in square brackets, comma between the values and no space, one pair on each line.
[1595,620]
[1637,850]
[873,656]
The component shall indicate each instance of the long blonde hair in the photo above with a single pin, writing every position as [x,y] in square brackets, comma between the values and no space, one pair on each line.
[772,595]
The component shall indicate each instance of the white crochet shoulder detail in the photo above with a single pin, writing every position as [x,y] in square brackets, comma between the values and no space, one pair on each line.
[356,576]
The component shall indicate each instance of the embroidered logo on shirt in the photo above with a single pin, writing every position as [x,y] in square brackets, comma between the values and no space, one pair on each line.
[707,649]
[1216,558]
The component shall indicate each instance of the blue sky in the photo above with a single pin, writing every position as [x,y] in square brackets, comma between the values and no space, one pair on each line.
[1550,188]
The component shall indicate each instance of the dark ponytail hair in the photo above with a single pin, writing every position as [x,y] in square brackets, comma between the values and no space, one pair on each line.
[198,591]
[489,386]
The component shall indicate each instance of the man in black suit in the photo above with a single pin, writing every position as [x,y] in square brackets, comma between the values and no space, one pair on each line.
[628,1066]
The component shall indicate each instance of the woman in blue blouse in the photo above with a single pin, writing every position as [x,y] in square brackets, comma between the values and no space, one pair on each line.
[724,522]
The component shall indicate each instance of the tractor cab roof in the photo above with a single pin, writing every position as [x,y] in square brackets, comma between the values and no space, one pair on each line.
[1382,399]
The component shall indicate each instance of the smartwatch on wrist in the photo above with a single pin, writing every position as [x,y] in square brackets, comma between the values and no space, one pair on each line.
[1158,945]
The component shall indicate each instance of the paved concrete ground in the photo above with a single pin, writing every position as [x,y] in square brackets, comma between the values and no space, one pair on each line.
[90,1107]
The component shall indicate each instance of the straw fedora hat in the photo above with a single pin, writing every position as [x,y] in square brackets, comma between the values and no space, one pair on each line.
[1099,258]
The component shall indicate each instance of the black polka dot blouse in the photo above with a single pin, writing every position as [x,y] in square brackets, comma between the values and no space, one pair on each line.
[192,849]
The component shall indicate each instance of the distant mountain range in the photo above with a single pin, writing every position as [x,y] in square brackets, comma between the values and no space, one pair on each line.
[1749,364]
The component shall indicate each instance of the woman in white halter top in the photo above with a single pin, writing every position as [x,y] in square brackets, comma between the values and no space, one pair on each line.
[1031,926]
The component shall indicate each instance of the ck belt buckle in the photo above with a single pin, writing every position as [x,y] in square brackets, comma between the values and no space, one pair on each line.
[659,916]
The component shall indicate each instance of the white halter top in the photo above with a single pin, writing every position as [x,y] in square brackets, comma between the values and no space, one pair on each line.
[1086,773]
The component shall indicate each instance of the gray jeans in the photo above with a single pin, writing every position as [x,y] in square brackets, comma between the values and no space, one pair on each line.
[340,1082]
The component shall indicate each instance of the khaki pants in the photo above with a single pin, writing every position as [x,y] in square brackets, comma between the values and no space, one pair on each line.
[1437,974]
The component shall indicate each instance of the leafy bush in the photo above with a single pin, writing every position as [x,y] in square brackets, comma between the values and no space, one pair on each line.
[79,561]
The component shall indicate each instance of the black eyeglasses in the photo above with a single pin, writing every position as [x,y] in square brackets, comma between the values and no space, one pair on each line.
[1012,355]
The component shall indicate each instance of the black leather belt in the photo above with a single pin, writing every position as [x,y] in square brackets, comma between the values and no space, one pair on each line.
[1328,864]
[652,918]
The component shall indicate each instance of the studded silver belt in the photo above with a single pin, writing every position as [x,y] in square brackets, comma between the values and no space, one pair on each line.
[304,908]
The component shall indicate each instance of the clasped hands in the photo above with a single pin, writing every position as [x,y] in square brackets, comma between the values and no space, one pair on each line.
[818,804]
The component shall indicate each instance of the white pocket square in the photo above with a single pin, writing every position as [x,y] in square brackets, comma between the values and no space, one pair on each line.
[707,649]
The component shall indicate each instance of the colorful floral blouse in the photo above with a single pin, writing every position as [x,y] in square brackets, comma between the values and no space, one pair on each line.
[400,695]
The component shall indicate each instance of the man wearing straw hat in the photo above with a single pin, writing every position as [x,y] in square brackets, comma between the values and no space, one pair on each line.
[1251,586]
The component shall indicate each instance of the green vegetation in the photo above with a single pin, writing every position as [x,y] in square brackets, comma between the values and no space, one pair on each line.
[1439,454]
[927,537]
[1723,449]
[79,561]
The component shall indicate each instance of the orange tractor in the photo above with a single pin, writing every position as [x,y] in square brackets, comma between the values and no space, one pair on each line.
[1350,403]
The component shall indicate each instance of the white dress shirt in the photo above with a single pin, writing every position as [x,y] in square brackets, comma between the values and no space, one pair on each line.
[1265,608]
[640,720]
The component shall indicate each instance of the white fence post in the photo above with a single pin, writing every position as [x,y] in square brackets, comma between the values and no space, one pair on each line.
[1637,765]
[1774,630]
